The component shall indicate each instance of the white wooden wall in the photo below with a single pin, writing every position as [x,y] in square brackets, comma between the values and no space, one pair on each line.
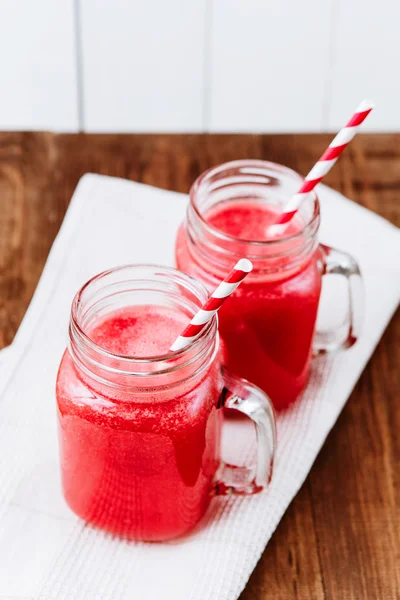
[197,65]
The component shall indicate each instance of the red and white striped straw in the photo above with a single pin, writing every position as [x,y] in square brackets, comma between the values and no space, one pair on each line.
[327,160]
[213,304]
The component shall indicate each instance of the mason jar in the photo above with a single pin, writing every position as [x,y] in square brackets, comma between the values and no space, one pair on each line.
[268,325]
[140,436]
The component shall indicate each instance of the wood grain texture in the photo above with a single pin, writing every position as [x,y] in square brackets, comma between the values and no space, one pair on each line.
[340,538]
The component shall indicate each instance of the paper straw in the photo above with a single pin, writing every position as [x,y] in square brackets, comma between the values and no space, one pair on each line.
[327,160]
[213,304]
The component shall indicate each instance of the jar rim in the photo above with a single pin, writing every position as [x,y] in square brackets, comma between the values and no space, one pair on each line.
[187,351]
[254,164]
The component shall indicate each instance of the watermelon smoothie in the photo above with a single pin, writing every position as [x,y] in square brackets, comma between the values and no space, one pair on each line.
[139,426]
[268,324]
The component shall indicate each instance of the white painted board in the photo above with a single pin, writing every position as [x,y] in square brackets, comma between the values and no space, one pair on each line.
[269,65]
[143,65]
[366,63]
[38,65]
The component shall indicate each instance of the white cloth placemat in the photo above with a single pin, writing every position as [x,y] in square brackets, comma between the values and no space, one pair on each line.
[46,552]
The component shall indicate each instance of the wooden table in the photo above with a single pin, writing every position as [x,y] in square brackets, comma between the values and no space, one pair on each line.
[340,538]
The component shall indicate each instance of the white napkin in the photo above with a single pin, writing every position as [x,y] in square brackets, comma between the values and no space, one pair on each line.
[46,552]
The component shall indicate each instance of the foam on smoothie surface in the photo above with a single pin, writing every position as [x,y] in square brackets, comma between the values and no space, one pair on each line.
[247,219]
[143,330]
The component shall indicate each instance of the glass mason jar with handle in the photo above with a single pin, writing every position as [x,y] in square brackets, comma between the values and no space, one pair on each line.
[140,435]
[268,325]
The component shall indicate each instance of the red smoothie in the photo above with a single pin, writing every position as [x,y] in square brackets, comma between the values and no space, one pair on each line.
[138,464]
[268,324]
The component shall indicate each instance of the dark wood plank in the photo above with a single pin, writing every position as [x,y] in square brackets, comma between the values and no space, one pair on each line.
[340,537]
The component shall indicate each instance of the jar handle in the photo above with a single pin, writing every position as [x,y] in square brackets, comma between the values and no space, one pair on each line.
[336,262]
[238,394]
